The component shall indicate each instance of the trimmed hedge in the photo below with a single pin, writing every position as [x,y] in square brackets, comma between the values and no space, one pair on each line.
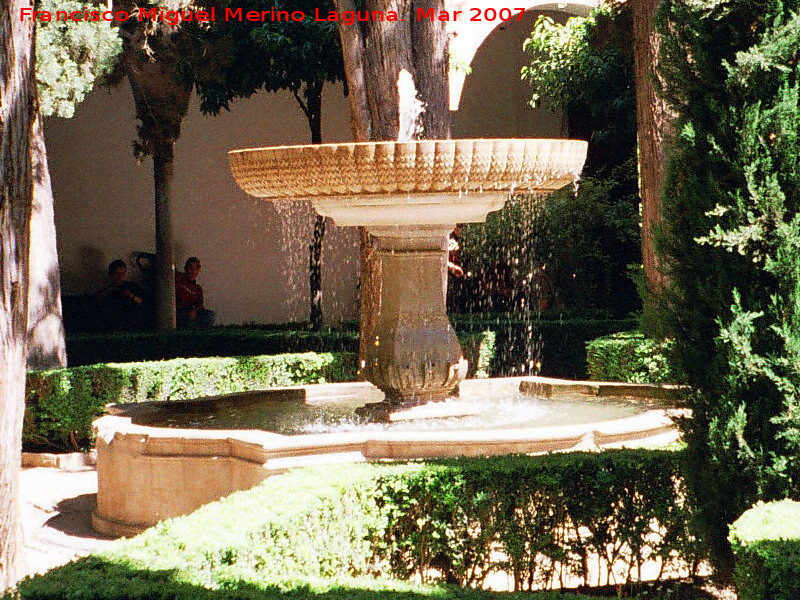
[60,405]
[766,543]
[323,525]
[137,346]
[631,357]
[538,519]
[559,346]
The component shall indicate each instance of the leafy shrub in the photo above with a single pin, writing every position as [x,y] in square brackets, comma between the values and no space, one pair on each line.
[766,543]
[583,242]
[536,518]
[135,346]
[555,348]
[317,527]
[566,251]
[631,357]
[60,405]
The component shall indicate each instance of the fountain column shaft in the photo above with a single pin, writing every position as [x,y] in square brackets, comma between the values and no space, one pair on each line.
[415,355]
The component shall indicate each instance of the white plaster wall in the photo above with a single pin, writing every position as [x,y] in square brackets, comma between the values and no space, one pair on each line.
[253,271]
[494,101]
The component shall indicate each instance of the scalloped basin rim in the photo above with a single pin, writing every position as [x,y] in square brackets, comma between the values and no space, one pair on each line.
[408,167]
[407,142]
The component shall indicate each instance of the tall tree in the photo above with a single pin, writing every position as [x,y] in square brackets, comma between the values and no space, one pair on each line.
[380,57]
[730,242]
[70,56]
[17,116]
[653,124]
[159,61]
[299,56]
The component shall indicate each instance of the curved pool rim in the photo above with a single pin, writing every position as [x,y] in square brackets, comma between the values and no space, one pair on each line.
[147,474]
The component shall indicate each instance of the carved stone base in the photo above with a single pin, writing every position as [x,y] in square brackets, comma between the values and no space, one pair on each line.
[414,356]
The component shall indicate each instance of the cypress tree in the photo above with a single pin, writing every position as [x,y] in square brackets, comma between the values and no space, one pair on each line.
[730,246]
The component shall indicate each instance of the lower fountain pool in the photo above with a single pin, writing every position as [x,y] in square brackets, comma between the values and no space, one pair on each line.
[470,412]
[159,460]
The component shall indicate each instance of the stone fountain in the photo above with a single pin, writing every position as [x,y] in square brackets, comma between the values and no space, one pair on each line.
[409,196]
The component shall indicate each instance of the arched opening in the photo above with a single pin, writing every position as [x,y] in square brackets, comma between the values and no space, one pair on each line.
[494,101]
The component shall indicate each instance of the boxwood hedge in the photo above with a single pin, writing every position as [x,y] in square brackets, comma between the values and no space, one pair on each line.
[536,518]
[766,543]
[61,404]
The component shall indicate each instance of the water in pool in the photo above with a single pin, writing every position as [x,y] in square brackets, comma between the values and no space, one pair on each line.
[507,410]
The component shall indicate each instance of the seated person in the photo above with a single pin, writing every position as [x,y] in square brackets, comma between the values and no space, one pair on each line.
[121,305]
[190,310]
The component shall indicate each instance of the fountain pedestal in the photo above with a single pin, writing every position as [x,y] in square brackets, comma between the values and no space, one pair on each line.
[414,355]
[410,195]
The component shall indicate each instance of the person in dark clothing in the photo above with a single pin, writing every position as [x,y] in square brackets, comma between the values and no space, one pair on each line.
[189,302]
[121,305]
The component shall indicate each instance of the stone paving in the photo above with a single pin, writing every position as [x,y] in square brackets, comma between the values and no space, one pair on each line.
[57,504]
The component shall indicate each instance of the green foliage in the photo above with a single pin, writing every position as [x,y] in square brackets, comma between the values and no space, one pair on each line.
[274,55]
[565,251]
[88,349]
[310,532]
[71,56]
[555,348]
[766,542]
[91,348]
[582,244]
[536,518]
[631,357]
[61,404]
[729,246]
[585,68]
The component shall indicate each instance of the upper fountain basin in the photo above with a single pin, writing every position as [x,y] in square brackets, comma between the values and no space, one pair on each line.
[402,168]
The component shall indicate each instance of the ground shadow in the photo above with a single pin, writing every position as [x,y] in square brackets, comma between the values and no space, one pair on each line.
[96,577]
[74,517]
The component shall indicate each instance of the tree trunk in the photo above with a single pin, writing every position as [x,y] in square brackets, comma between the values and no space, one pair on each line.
[162,101]
[17,114]
[315,273]
[653,123]
[375,54]
[312,107]
[163,160]
[47,347]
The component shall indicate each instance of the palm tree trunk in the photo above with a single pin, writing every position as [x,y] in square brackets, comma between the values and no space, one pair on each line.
[163,160]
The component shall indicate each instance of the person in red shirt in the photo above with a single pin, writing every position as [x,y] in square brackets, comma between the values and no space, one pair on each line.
[190,308]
